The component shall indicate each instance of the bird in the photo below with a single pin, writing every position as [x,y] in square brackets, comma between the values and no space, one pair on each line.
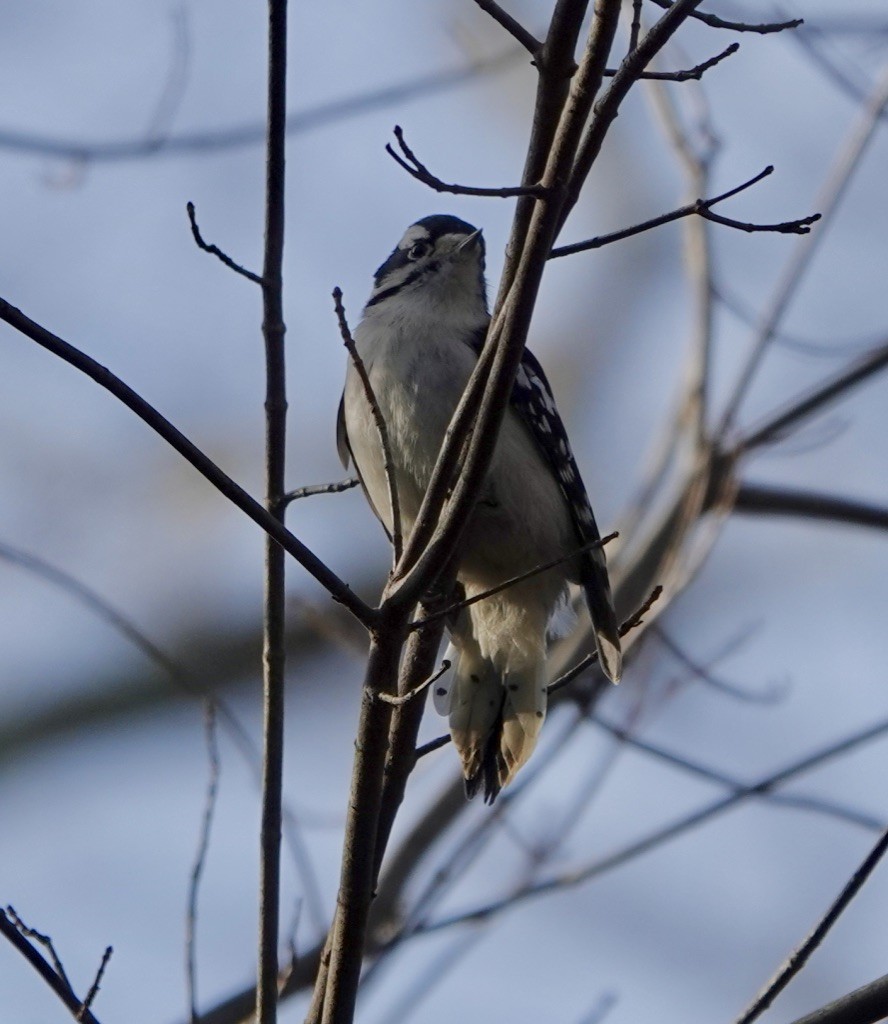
[419,338]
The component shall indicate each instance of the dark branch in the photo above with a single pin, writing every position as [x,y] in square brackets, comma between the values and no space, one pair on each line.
[736,26]
[633,622]
[97,981]
[312,489]
[11,929]
[865,1005]
[520,578]
[337,589]
[418,170]
[777,426]
[799,958]
[787,227]
[760,499]
[214,250]
[516,30]
[701,208]
[397,700]
[693,74]
[804,803]
[668,832]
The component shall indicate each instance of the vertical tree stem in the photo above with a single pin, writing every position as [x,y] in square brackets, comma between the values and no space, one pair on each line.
[275,450]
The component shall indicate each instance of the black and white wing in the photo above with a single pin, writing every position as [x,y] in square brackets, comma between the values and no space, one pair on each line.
[533,402]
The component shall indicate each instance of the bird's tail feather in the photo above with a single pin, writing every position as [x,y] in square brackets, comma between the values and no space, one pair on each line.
[495,718]
[596,586]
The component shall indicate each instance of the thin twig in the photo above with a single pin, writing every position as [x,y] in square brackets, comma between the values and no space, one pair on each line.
[668,832]
[379,420]
[633,622]
[43,939]
[701,208]
[214,250]
[402,698]
[635,26]
[57,981]
[787,227]
[693,74]
[798,959]
[520,578]
[704,672]
[334,488]
[812,804]
[844,166]
[203,847]
[736,26]
[94,988]
[413,166]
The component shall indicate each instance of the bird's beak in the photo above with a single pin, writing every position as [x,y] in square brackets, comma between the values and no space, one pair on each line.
[469,242]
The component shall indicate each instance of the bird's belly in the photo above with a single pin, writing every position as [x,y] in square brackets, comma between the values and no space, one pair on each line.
[520,520]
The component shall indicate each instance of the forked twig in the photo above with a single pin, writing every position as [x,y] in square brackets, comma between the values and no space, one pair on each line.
[700,208]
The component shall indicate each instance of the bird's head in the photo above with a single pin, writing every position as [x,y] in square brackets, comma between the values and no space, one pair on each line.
[439,263]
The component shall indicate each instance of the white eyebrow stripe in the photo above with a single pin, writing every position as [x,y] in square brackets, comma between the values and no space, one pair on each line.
[414,233]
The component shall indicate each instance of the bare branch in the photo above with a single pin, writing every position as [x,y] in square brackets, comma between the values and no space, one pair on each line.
[705,672]
[518,31]
[203,846]
[379,420]
[700,207]
[693,74]
[338,590]
[214,250]
[608,106]
[787,227]
[760,499]
[12,929]
[800,957]
[334,488]
[253,133]
[775,427]
[413,166]
[403,698]
[520,578]
[826,807]
[94,988]
[668,832]
[635,27]
[274,653]
[839,178]
[865,1005]
[736,26]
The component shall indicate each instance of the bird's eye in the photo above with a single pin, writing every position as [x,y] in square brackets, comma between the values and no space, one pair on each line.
[417,250]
